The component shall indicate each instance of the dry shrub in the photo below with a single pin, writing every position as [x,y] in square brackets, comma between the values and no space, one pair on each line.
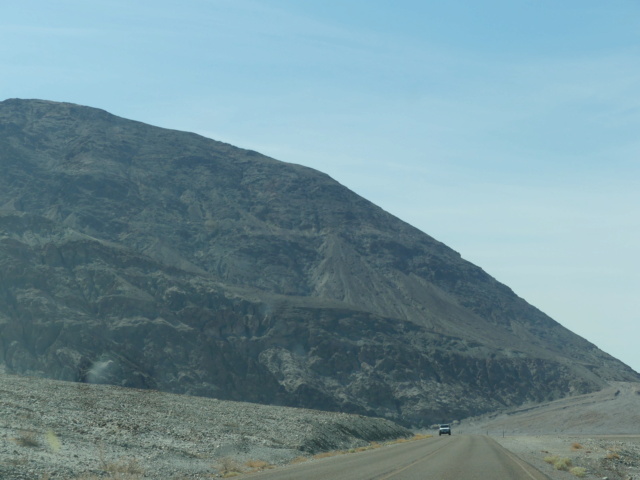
[558,462]
[578,471]
[123,469]
[112,476]
[332,453]
[562,464]
[299,460]
[612,456]
[410,439]
[258,464]
[127,466]
[228,467]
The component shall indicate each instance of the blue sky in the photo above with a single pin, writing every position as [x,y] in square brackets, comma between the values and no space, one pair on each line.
[509,130]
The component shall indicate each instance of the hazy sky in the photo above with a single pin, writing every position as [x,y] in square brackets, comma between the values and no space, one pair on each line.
[509,130]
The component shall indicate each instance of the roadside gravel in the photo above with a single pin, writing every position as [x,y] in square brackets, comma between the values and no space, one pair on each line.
[610,457]
[598,432]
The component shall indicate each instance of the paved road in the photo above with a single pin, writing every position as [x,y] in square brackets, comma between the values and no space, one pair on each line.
[459,457]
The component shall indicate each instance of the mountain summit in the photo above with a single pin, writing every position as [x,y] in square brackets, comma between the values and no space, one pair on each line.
[153,258]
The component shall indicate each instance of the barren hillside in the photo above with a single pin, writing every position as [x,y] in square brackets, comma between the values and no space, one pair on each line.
[150,258]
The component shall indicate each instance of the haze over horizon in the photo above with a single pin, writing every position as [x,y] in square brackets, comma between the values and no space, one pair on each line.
[506,130]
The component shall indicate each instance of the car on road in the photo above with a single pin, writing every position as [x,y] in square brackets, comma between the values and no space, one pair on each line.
[444,429]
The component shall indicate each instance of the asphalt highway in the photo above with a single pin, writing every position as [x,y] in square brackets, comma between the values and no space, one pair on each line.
[459,457]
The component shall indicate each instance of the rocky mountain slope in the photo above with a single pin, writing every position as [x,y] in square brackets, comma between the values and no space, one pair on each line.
[152,258]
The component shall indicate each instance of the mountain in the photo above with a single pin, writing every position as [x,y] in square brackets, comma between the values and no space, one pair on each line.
[152,258]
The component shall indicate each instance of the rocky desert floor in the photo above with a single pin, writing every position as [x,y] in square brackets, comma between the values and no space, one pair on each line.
[563,457]
[62,430]
[587,436]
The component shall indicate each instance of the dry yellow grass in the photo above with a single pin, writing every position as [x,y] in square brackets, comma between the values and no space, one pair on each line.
[559,463]
[371,446]
[257,465]
[128,466]
[332,453]
[299,460]
[228,467]
[578,471]
[563,463]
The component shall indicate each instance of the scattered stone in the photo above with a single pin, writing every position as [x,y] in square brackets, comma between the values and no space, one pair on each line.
[81,430]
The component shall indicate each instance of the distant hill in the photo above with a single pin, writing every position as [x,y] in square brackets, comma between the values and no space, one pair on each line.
[145,257]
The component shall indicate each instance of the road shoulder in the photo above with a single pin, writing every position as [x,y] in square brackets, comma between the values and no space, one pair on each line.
[563,457]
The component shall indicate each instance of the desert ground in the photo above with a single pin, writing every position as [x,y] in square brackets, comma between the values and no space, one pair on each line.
[564,457]
[62,430]
[598,433]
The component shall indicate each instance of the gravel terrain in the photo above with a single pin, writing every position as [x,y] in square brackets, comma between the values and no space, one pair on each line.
[52,429]
[598,432]
[614,410]
[611,457]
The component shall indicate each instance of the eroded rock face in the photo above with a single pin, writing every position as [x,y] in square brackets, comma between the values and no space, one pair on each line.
[151,258]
